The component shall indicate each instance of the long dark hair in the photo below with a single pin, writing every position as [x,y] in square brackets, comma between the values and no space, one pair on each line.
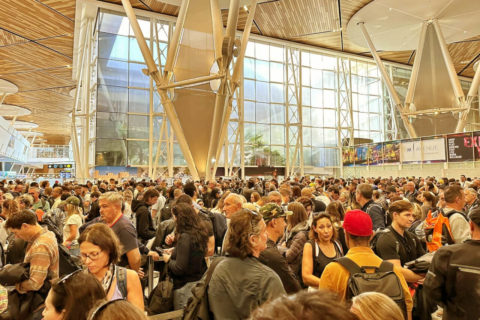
[189,222]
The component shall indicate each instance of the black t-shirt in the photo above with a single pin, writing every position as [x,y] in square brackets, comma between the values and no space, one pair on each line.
[392,246]
[127,235]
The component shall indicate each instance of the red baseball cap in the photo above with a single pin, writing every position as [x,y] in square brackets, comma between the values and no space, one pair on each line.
[358,223]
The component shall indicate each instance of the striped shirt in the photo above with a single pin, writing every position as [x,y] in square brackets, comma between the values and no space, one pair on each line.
[42,253]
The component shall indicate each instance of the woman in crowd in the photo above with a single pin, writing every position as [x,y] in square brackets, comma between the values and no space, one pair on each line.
[254,198]
[214,197]
[308,205]
[99,251]
[73,221]
[320,250]
[115,310]
[295,236]
[241,282]
[71,297]
[187,262]
[429,203]
[375,306]
[337,213]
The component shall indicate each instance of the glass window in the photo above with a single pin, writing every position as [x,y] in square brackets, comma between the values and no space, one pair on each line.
[249,111]
[249,68]
[276,71]
[111,125]
[261,89]
[307,136]
[307,156]
[139,101]
[278,135]
[249,89]
[316,96]
[316,78]
[263,131]
[138,127]
[306,99]
[136,78]
[110,152]
[112,46]
[112,72]
[113,23]
[277,94]
[305,58]
[112,99]
[306,116]
[330,118]
[137,153]
[278,113]
[263,113]
[261,51]
[317,117]
[328,80]
[329,99]
[262,70]
[317,137]
[276,53]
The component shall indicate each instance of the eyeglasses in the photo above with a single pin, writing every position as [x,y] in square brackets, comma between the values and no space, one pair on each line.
[101,307]
[92,256]
[68,276]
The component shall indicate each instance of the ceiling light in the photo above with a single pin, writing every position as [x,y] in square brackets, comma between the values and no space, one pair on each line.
[245,8]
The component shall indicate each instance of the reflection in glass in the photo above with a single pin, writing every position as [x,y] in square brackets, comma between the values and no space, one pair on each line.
[138,101]
[112,72]
[137,153]
[138,127]
[110,152]
[111,125]
[112,99]
[112,46]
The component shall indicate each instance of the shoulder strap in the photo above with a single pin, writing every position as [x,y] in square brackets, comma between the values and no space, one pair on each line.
[122,281]
[338,246]
[348,264]
[385,267]
[211,269]
[451,213]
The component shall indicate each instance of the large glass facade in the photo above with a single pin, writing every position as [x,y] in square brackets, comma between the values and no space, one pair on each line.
[123,100]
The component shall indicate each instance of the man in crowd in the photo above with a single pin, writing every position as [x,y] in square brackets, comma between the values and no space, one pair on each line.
[471,200]
[358,232]
[41,251]
[364,196]
[397,245]
[56,197]
[452,280]
[38,203]
[145,226]
[410,193]
[111,212]
[454,204]
[233,203]
[274,216]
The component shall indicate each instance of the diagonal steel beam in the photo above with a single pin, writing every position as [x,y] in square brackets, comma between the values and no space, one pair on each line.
[387,81]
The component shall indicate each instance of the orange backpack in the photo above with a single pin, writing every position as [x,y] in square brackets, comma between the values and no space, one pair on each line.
[437,230]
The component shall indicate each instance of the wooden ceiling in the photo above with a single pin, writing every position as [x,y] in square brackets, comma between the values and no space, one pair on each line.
[36,47]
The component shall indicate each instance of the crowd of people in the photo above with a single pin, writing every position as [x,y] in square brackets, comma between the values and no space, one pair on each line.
[363,248]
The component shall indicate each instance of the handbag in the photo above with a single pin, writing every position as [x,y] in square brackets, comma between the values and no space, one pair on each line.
[161,298]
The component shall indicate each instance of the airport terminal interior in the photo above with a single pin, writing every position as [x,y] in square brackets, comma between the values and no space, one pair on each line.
[293,143]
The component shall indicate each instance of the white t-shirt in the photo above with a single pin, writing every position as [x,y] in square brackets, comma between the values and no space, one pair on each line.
[74,219]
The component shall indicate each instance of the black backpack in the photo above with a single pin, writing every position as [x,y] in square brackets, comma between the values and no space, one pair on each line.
[382,280]
[219,224]
[387,217]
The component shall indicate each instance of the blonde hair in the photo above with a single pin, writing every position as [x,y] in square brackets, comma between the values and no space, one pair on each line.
[375,305]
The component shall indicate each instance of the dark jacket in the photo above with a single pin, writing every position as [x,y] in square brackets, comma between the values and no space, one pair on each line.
[164,229]
[453,282]
[94,211]
[375,211]
[145,228]
[272,258]
[187,263]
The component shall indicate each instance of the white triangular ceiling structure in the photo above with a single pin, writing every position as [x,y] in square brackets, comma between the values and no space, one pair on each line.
[197,85]
[435,102]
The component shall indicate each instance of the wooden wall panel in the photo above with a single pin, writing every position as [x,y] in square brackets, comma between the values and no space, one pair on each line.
[292,18]
[64,7]
[33,55]
[8,38]
[33,20]
[62,44]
